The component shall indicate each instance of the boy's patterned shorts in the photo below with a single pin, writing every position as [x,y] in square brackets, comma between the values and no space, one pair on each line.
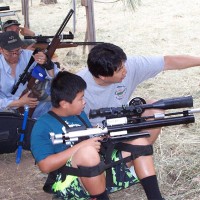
[72,189]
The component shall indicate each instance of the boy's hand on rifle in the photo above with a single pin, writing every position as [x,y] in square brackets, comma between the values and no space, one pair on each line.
[95,142]
[26,100]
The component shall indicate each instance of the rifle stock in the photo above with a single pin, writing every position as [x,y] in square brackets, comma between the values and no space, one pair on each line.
[29,87]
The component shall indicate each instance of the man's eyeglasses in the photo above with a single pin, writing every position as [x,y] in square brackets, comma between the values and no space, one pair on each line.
[12,53]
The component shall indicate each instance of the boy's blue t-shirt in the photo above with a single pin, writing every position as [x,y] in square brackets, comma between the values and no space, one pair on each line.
[41,144]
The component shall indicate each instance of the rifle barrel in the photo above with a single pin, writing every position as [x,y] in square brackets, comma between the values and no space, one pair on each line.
[51,48]
[192,111]
[133,127]
[41,37]
[174,103]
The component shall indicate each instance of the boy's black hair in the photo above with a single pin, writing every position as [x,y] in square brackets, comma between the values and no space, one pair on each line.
[65,86]
[104,59]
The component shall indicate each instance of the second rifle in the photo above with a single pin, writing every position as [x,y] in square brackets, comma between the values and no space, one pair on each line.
[32,79]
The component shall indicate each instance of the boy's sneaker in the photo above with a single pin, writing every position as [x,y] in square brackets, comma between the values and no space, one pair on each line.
[49,182]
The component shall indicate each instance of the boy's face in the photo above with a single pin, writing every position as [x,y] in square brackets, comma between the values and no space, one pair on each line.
[117,77]
[78,104]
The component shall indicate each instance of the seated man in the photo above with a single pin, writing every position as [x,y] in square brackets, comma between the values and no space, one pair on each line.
[67,97]
[13,61]
[14,25]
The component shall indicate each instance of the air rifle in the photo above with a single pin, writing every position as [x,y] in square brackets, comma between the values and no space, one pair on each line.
[125,123]
[52,46]
[35,80]
[66,44]
[43,41]
[71,137]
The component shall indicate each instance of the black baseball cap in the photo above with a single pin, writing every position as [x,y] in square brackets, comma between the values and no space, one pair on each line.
[8,23]
[10,40]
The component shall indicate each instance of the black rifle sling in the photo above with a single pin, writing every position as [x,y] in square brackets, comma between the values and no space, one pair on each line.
[58,118]
[68,170]
[80,171]
[63,122]
[107,165]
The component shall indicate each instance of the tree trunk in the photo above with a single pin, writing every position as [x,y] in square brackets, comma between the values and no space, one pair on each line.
[49,1]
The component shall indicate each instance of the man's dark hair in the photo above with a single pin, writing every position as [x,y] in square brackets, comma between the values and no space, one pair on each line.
[65,86]
[104,59]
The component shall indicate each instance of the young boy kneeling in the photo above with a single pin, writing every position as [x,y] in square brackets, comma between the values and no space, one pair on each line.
[67,96]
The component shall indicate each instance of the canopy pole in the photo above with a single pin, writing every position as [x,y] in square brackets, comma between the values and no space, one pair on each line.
[90,30]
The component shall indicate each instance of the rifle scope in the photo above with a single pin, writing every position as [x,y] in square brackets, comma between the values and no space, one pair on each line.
[126,111]
[69,36]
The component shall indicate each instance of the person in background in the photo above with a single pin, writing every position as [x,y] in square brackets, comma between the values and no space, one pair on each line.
[14,25]
[13,61]
[112,77]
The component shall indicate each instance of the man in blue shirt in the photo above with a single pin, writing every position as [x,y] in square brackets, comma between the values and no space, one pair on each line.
[13,61]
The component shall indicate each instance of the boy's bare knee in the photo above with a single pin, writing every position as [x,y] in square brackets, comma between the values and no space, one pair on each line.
[86,156]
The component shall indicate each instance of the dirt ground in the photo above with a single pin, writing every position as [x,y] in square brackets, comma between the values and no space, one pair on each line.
[156,27]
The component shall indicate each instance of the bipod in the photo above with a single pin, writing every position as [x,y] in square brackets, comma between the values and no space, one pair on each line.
[22,132]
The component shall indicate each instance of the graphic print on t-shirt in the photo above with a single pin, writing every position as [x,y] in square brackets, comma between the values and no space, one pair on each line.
[120,92]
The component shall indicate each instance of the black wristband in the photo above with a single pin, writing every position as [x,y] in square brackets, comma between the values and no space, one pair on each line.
[49,65]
